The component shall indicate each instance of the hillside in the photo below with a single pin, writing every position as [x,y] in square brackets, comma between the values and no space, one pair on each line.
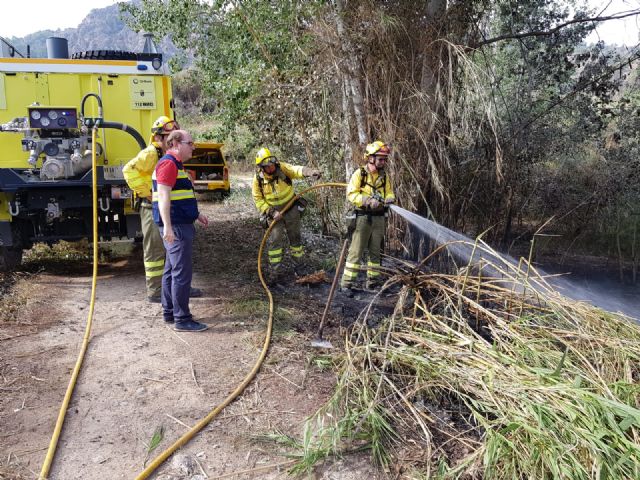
[102,28]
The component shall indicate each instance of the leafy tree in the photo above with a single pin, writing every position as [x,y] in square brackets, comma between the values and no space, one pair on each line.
[248,54]
[491,107]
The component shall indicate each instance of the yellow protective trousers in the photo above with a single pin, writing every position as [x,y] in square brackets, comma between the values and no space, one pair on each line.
[290,224]
[367,236]
[153,251]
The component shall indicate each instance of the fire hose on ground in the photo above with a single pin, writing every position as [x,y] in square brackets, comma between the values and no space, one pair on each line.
[95,124]
[250,376]
[51,451]
[156,462]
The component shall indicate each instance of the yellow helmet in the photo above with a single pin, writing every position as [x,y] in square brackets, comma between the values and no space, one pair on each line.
[264,156]
[163,125]
[377,148]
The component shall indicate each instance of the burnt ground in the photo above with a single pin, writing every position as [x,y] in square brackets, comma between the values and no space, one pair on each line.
[139,375]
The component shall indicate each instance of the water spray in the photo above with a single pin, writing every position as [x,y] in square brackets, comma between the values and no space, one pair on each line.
[488,262]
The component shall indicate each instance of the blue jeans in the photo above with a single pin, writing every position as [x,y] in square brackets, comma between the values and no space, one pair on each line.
[178,269]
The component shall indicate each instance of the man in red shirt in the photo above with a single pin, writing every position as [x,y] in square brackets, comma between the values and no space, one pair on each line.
[174,210]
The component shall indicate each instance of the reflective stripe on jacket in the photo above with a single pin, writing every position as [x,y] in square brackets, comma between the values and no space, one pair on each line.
[275,190]
[373,182]
[184,207]
[138,171]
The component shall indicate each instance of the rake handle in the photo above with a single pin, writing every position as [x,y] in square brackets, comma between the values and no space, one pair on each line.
[343,254]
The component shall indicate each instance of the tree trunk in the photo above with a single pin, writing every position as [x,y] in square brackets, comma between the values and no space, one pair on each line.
[347,122]
[353,89]
[619,248]
[634,252]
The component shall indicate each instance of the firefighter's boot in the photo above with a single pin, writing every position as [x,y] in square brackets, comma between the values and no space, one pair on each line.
[275,275]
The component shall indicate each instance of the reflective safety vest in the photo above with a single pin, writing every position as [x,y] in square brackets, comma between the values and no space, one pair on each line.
[184,206]
[277,189]
[365,183]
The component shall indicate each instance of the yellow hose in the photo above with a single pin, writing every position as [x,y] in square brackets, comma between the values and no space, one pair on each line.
[247,379]
[85,341]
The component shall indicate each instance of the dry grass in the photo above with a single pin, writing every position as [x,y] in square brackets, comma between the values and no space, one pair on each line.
[487,378]
[6,473]
[12,299]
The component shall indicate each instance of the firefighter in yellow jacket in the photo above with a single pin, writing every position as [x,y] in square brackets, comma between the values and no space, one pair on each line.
[370,192]
[137,173]
[272,190]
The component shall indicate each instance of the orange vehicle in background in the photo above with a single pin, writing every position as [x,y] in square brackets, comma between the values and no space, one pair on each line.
[208,170]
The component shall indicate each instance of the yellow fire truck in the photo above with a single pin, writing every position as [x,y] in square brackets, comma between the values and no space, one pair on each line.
[48,107]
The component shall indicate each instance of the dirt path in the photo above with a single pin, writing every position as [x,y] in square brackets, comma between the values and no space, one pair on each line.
[140,376]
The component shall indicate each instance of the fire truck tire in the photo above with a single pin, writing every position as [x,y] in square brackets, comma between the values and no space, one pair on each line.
[104,55]
[10,258]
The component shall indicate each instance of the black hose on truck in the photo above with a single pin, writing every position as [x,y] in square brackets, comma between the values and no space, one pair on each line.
[100,123]
[84,99]
[127,128]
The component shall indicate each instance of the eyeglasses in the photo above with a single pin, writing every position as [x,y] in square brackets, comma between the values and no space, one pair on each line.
[187,143]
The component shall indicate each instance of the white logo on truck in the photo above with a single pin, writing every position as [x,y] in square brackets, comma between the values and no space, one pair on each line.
[143,93]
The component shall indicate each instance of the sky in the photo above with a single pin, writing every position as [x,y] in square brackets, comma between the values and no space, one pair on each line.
[621,32]
[21,17]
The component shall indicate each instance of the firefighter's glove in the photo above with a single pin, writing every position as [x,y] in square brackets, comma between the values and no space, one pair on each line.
[314,173]
[275,214]
[371,203]
[389,201]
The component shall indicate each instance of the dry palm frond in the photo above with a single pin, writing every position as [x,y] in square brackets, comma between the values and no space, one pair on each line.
[313,278]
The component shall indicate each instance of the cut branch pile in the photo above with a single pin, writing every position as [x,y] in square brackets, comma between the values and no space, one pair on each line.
[472,377]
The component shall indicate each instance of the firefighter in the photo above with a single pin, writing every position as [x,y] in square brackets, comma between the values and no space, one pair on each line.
[370,192]
[137,173]
[272,190]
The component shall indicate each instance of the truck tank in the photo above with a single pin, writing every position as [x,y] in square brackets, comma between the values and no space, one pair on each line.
[48,107]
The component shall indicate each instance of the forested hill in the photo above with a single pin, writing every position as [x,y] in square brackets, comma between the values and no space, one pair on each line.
[101,29]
